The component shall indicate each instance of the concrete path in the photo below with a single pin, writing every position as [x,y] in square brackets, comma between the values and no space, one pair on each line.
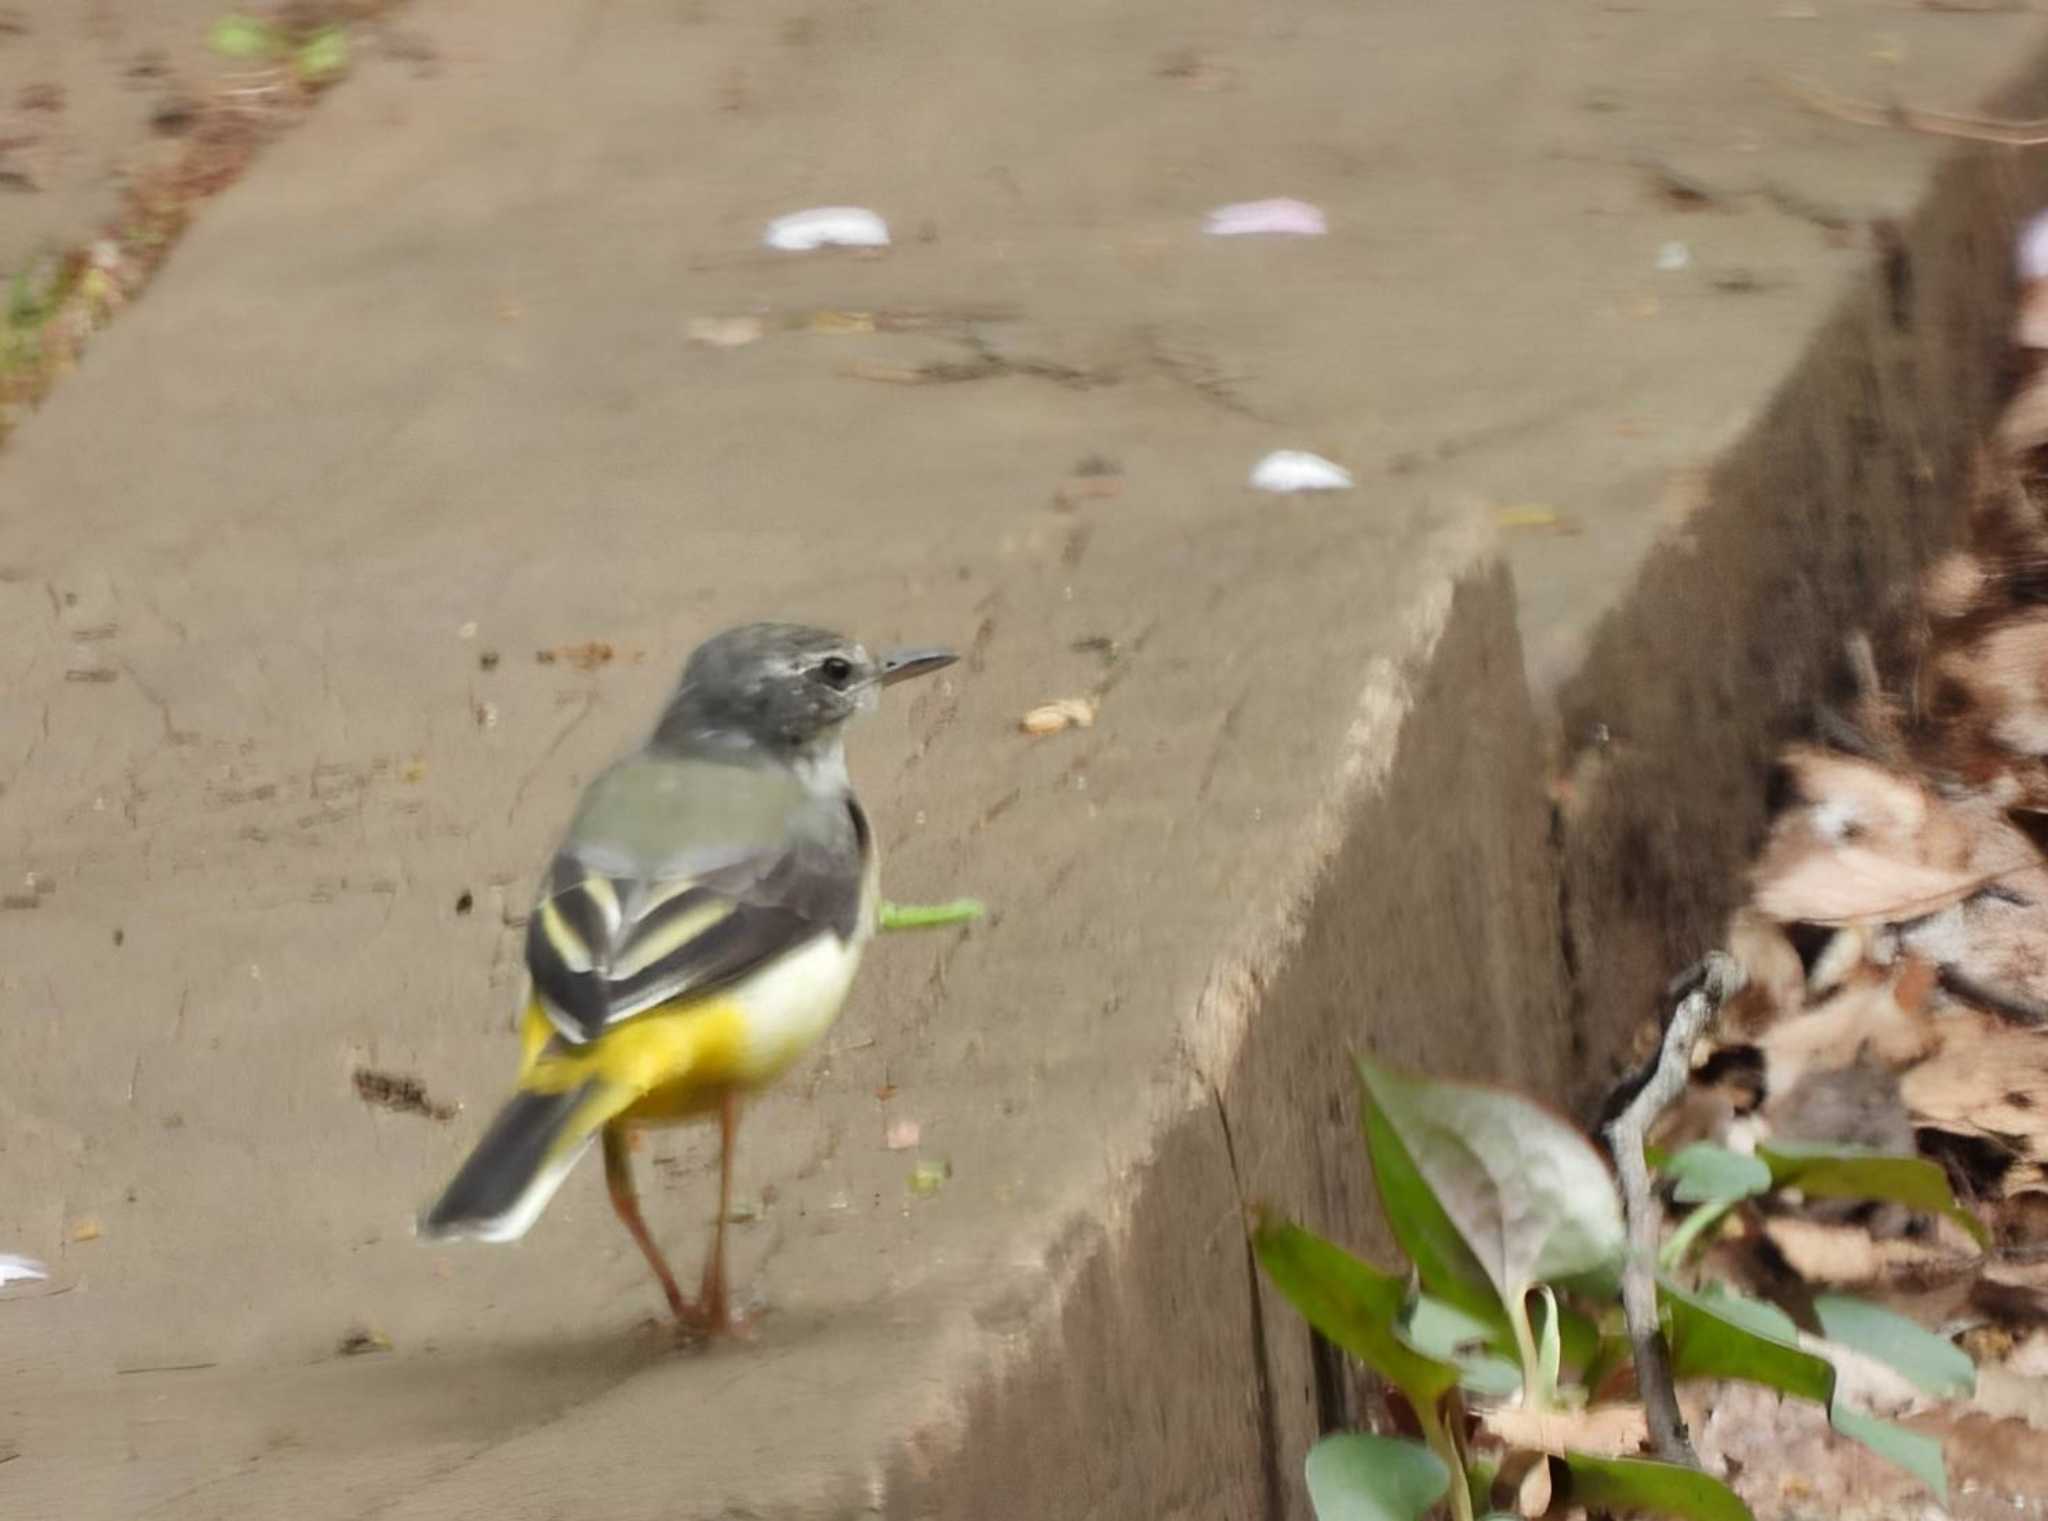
[419,400]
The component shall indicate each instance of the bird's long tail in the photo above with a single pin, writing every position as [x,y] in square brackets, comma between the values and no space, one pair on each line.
[532,1145]
[565,1097]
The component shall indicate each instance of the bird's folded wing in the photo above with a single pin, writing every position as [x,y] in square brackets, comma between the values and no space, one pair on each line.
[603,947]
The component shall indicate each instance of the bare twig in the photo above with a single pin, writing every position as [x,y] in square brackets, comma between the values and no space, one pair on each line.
[1705,988]
[1864,113]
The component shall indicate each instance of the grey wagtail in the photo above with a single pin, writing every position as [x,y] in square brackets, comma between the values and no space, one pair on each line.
[696,932]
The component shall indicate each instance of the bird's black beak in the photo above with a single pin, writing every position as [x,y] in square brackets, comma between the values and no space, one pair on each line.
[901,665]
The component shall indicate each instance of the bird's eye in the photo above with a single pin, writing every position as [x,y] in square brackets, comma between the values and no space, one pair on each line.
[836,669]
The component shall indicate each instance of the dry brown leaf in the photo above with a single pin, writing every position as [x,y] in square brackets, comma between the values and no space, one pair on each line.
[1990,1081]
[1954,585]
[1864,1013]
[2029,1356]
[1784,1460]
[1856,1104]
[2022,1220]
[1865,844]
[1065,713]
[1777,978]
[1986,1344]
[1847,1254]
[1913,988]
[1847,952]
[2006,673]
[1701,1113]
[1815,881]
[2011,1394]
[2025,423]
[1872,846]
[2014,1292]
[1610,1431]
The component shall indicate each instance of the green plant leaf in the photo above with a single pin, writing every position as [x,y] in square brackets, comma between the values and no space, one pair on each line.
[1918,1454]
[1704,1172]
[1356,1306]
[1643,1484]
[1480,1472]
[245,37]
[1724,1335]
[1484,1353]
[1581,1337]
[1445,1332]
[1528,1194]
[323,56]
[1427,1236]
[1356,1477]
[1933,1363]
[1855,1172]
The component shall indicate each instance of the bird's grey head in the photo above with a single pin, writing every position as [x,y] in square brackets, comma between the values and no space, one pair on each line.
[781,687]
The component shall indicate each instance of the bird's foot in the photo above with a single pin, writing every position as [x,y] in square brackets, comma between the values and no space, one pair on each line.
[712,1320]
[908,916]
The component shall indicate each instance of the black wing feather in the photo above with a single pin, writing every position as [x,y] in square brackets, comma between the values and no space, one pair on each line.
[591,923]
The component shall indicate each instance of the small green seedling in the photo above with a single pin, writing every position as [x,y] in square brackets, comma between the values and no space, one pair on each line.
[1513,1231]
[316,57]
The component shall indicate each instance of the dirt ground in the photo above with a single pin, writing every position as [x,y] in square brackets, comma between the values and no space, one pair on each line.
[89,94]
[422,398]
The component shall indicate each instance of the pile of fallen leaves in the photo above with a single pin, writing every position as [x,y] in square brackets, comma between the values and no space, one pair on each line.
[1896,941]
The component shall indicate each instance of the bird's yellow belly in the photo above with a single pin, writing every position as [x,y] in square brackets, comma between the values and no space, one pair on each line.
[685,1056]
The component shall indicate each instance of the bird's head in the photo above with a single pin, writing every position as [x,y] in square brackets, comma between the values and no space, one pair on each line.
[782,686]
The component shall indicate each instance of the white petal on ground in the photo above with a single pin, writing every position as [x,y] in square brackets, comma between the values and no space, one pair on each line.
[1281,216]
[827,227]
[1287,470]
[20,1270]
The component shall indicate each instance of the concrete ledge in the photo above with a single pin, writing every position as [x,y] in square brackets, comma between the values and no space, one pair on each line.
[1174,1381]
[1816,522]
